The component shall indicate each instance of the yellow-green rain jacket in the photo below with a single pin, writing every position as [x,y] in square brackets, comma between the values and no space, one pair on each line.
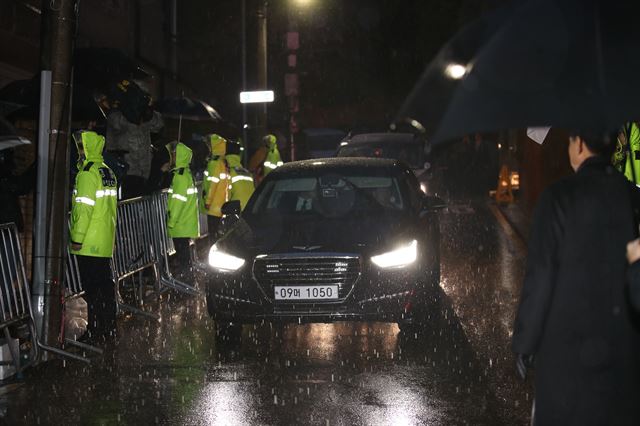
[182,205]
[94,202]
[273,159]
[216,178]
[241,186]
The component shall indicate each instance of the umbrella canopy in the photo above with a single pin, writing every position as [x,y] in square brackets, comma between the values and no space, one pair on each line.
[9,137]
[187,109]
[561,63]
[23,96]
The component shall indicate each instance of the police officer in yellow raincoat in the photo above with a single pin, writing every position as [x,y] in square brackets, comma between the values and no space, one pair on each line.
[266,158]
[183,216]
[92,232]
[241,182]
[216,177]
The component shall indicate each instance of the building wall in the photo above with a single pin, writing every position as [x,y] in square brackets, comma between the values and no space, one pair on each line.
[19,39]
[541,165]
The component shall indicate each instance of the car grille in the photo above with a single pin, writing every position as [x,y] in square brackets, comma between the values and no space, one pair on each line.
[271,271]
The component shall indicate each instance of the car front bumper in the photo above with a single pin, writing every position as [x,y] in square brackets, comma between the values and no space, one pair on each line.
[389,296]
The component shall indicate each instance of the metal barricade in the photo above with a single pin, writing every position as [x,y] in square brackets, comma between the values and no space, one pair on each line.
[203,224]
[15,301]
[134,250]
[163,245]
[72,290]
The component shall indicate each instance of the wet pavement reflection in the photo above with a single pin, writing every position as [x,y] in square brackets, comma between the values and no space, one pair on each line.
[457,371]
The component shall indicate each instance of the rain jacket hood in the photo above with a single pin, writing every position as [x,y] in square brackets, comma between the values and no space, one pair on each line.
[233,160]
[183,156]
[271,141]
[217,144]
[92,145]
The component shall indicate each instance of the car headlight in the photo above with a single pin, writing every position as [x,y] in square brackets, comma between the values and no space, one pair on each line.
[399,257]
[223,261]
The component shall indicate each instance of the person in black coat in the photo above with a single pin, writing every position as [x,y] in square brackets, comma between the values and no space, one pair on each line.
[574,323]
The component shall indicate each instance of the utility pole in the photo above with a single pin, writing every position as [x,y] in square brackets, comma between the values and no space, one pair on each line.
[261,63]
[245,120]
[292,81]
[63,15]
[42,185]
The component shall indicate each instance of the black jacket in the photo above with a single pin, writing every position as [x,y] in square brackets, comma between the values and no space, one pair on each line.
[634,285]
[574,312]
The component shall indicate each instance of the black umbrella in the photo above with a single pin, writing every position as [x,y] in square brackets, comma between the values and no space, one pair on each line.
[562,63]
[24,97]
[186,109]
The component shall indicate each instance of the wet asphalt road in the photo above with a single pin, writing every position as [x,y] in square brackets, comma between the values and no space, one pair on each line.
[459,371]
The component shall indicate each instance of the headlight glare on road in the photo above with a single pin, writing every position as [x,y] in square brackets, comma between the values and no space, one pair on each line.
[398,258]
[223,261]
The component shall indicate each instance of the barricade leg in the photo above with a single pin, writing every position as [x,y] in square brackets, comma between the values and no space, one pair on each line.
[164,247]
[15,355]
[124,307]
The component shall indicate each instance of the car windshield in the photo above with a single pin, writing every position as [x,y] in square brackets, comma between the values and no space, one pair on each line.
[329,196]
[410,153]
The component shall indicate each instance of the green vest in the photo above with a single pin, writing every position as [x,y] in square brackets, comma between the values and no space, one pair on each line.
[182,221]
[94,202]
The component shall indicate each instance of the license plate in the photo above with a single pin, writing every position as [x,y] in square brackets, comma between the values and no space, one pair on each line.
[315,292]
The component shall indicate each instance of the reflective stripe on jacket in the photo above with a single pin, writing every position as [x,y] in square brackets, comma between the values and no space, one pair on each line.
[94,202]
[182,205]
[215,183]
[241,183]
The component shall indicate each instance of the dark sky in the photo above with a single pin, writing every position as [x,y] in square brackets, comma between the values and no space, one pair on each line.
[358,58]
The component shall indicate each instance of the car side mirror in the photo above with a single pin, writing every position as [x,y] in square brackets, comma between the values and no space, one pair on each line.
[231,208]
[432,203]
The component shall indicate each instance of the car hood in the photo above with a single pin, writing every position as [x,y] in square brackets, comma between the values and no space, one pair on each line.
[363,235]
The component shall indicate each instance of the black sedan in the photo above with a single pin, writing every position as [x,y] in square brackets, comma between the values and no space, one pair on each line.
[329,240]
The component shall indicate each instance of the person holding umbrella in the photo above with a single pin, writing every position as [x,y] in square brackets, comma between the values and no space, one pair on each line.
[573,322]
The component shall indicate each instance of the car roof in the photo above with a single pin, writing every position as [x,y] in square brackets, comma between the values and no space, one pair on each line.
[340,165]
[377,138]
